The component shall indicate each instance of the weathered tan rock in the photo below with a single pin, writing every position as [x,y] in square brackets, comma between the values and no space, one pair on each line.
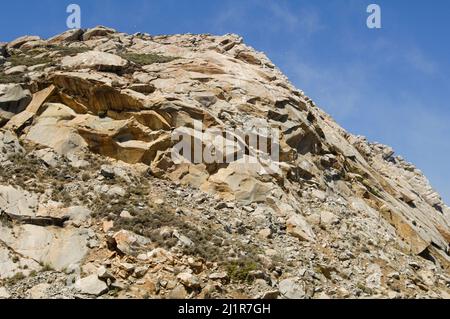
[126,140]
[100,61]
[18,122]
[328,218]
[298,227]
[91,285]
[129,243]
[150,119]
[17,202]
[52,130]
[221,276]
[58,248]
[67,36]
[189,280]
[97,32]
[95,92]
[14,99]
[16,70]
[291,289]
[40,98]
[13,264]
[178,293]
[33,44]
[248,57]
[4,294]
[239,180]
[17,43]
[39,291]
[25,118]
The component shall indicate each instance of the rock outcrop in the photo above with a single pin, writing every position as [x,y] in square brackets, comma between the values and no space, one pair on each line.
[99,194]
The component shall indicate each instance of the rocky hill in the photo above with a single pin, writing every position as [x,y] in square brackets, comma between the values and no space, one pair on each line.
[94,204]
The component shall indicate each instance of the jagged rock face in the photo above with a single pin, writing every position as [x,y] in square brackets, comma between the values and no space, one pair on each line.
[345,202]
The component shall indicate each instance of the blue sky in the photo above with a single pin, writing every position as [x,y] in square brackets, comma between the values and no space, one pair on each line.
[390,85]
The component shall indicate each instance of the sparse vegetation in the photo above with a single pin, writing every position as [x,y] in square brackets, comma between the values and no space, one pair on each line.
[149,222]
[69,51]
[147,59]
[47,267]
[85,177]
[28,60]
[239,270]
[11,78]
[364,288]
[15,279]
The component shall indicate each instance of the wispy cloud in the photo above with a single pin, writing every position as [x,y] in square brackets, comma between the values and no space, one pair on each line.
[305,19]
[272,17]
[419,61]
[341,91]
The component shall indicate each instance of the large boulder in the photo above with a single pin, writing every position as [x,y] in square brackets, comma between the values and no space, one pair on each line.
[67,36]
[51,130]
[291,289]
[129,243]
[98,31]
[17,202]
[97,60]
[12,263]
[17,43]
[58,248]
[91,285]
[13,100]
[240,181]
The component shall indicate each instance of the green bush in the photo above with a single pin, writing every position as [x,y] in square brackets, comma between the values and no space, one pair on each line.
[239,270]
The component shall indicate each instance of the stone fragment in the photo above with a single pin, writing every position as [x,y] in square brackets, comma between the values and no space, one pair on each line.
[4,294]
[298,227]
[291,289]
[91,285]
[189,280]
